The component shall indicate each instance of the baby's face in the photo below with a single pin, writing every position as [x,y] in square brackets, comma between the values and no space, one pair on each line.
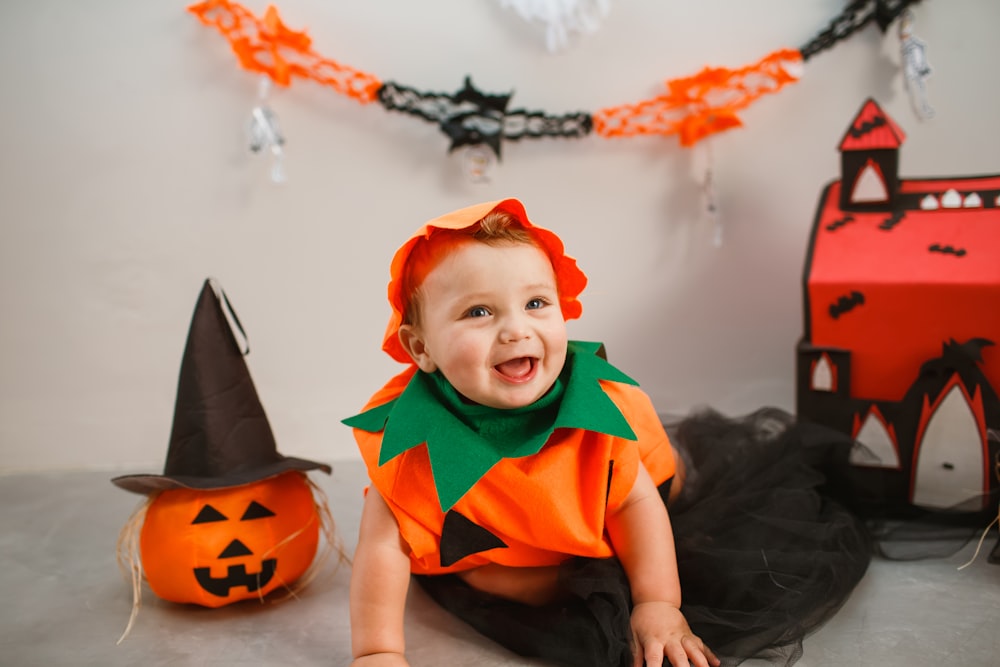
[490,321]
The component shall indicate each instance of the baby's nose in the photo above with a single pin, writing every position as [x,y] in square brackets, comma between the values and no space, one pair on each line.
[514,329]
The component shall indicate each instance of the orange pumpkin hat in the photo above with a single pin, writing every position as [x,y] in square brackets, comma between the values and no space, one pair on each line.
[569,278]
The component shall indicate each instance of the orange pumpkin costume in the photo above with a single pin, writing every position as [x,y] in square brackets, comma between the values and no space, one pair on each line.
[763,558]
[524,510]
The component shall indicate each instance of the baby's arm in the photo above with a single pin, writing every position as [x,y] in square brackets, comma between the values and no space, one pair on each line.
[379,581]
[640,532]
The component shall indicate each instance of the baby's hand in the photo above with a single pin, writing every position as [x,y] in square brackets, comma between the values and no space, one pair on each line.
[660,631]
[381,660]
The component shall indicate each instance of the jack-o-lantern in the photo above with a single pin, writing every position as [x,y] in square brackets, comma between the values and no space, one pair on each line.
[230,518]
[214,547]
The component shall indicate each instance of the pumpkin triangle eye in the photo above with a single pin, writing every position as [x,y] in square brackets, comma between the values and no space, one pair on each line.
[256,511]
[208,514]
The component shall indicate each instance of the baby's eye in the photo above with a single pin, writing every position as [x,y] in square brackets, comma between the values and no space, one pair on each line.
[535,304]
[477,311]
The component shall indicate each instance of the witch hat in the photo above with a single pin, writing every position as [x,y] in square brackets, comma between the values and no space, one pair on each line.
[220,436]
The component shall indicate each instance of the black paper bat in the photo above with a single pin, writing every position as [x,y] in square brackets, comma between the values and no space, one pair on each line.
[947,250]
[846,303]
[867,127]
[470,117]
[837,224]
[893,220]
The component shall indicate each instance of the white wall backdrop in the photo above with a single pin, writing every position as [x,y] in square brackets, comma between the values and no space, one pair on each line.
[126,180]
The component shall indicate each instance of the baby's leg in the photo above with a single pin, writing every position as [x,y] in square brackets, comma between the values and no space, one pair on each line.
[530,585]
[587,626]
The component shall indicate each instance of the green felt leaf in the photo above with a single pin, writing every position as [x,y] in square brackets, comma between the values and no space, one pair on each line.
[464,441]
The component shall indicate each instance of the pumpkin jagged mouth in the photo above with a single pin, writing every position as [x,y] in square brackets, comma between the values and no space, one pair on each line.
[236,575]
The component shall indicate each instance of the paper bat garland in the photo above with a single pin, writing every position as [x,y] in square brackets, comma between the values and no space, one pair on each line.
[692,107]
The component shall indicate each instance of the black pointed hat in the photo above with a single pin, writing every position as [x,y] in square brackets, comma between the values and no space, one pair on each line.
[220,436]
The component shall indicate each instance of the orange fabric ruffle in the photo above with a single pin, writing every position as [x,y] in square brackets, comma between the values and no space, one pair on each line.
[570,278]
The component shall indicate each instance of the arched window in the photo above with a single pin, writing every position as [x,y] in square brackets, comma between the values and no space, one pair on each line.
[824,375]
[870,185]
[949,453]
[876,443]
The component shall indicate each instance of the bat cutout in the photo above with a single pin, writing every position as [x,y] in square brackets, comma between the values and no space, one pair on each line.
[846,303]
[837,224]
[867,126]
[889,223]
[471,117]
[947,250]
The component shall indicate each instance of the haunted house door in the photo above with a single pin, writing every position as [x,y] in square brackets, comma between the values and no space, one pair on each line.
[949,458]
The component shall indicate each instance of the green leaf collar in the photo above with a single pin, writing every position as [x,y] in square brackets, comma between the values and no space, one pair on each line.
[465,440]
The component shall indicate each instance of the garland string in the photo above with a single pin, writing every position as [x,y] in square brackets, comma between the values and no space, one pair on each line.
[692,108]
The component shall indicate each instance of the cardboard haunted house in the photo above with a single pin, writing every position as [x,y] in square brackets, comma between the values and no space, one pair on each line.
[901,344]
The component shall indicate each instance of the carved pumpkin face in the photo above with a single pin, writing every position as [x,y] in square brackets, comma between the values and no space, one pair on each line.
[214,547]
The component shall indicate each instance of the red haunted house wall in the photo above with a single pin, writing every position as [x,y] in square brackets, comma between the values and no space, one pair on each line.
[901,343]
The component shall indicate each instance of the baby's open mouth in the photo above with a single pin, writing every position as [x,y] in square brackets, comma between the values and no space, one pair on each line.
[520,368]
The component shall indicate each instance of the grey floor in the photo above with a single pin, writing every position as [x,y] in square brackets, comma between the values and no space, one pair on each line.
[66,602]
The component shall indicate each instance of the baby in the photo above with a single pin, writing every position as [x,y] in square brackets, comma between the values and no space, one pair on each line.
[507,460]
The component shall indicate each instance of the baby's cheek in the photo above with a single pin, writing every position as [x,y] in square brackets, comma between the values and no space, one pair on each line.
[464,358]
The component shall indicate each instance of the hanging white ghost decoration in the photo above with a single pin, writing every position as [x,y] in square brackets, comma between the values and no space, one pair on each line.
[561,17]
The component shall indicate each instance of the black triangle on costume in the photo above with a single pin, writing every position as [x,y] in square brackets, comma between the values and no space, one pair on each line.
[461,537]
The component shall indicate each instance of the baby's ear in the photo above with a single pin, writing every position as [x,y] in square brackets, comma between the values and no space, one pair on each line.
[409,338]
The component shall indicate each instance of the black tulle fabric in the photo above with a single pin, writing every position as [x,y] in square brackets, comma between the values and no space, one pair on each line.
[765,555]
